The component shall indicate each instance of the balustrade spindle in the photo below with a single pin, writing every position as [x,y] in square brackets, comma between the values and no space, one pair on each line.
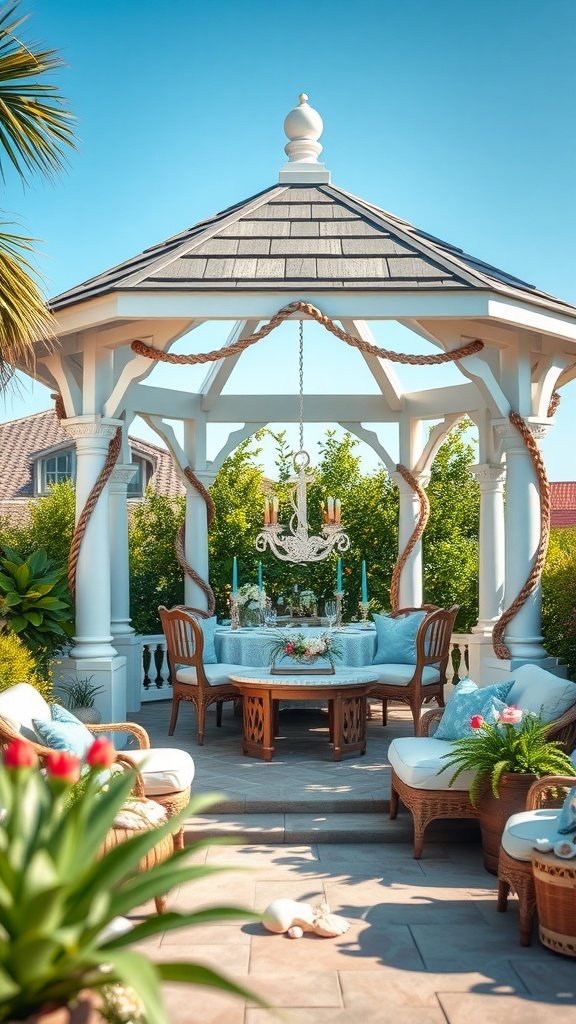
[146,662]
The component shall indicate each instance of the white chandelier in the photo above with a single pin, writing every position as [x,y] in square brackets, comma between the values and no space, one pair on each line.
[296,545]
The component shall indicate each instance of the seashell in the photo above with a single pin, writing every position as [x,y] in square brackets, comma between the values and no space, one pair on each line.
[328,925]
[295,932]
[565,849]
[543,845]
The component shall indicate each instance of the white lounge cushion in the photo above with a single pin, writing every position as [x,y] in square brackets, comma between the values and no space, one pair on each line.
[402,674]
[19,705]
[523,829]
[164,769]
[418,759]
[534,689]
[217,675]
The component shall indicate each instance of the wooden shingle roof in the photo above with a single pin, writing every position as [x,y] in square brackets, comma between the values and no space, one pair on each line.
[301,237]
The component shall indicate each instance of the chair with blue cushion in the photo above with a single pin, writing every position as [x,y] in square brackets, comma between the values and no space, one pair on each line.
[412,656]
[196,675]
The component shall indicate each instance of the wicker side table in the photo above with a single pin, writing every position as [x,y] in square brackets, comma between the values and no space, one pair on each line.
[137,815]
[555,885]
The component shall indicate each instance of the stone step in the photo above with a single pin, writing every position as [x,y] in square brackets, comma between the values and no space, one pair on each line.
[321,826]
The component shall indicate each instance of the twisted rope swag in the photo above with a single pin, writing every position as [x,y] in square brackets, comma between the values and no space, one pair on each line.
[363,346]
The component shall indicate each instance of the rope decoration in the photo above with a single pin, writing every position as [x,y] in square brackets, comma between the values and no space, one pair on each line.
[114,449]
[414,537]
[305,307]
[500,648]
[180,548]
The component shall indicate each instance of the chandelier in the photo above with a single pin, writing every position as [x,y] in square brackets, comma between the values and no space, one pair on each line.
[295,543]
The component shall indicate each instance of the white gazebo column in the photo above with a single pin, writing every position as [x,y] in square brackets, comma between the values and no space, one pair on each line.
[125,640]
[491,544]
[92,435]
[411,589]
[196,544]
[522,534]
[92,654]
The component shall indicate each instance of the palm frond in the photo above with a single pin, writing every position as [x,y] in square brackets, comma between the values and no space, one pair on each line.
[35,128]
[24,315]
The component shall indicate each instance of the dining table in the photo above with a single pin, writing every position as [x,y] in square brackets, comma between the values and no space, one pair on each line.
[253,646]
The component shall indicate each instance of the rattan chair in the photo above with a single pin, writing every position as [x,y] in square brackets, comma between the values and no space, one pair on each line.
[427,805]
[516,875]
[428,677]
[193,681]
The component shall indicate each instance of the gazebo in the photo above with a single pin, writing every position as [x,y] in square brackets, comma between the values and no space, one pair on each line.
[304,240]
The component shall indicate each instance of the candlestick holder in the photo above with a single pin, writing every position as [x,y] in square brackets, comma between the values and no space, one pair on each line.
[364,607]
[234,612]
[338,594]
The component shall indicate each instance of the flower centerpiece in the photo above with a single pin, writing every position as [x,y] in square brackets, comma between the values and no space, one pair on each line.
[65,945]
[251,602]
[304,650]
[307,602]
[506,754]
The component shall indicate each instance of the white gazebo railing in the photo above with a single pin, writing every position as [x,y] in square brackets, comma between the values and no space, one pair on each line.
[155,680]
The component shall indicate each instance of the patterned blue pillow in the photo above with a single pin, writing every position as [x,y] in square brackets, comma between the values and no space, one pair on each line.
[64,732]
[209,653]
[468,699]
[396,638]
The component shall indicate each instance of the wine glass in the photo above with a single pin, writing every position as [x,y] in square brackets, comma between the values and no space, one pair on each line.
[330,611]
[270,618]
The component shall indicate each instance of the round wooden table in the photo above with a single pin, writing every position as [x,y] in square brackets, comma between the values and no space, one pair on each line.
[345,692]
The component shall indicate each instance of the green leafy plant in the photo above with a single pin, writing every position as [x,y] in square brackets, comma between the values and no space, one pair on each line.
[59,895]
[34,599]
[80,693]
[515,742]
[17,665]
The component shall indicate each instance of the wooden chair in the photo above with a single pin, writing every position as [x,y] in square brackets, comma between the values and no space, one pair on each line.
[201,684]
[412,684]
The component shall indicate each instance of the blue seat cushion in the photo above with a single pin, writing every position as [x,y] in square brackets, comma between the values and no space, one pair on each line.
[64,732]
[209,654]
[466,700]
[396,638]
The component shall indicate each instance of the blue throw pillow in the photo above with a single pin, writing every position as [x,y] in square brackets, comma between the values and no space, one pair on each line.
[209,654]
[64,732]
[468,699]
[396,638]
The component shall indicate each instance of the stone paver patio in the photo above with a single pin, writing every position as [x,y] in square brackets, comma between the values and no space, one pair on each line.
[425,944]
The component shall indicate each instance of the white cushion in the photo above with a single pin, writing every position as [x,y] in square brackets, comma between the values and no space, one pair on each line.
[523,829]
[164,770]
[418,759]
[217,675]
[534,689]
[19,705]
[402,674]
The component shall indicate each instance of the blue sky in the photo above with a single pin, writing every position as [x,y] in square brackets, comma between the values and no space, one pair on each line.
[458,117]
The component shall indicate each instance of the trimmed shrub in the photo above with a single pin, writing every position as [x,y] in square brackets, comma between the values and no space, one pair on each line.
[559,597]
[17,665]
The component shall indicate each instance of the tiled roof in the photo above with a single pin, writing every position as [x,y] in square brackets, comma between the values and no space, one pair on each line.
[21,440]
[293,237]
[563,497]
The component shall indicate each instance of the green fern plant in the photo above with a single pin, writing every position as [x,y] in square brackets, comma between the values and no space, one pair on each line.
[499,747]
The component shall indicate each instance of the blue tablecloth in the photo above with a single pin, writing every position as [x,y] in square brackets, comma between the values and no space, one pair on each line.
[252,646]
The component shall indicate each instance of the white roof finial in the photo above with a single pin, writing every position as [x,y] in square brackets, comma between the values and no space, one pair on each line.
[303,126]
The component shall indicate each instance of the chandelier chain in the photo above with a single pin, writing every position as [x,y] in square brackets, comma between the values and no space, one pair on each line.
[301,381]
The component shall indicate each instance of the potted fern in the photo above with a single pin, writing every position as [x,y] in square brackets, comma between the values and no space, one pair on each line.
[507,755]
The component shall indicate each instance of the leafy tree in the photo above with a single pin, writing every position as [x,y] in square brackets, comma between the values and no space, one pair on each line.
[559,597]
[155,576]
[34,132]
[450,543]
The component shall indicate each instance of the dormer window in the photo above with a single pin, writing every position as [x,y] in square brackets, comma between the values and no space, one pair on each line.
[141,479]
[54,469]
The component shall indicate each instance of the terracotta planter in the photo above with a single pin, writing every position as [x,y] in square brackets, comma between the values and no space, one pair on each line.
[493,813]
[85,1011]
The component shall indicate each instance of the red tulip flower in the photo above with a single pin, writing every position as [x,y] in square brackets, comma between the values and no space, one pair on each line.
[476,722]
[62,765]
[20,754]
[101,754]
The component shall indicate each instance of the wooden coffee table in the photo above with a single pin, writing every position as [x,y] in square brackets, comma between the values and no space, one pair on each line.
[345,692]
